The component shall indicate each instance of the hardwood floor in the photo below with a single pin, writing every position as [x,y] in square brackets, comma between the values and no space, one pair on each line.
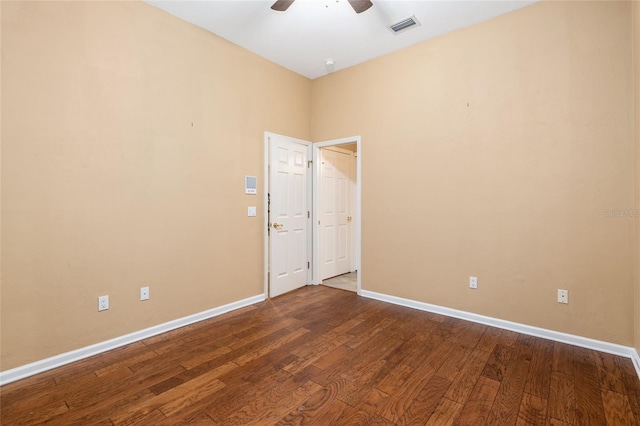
[323,356]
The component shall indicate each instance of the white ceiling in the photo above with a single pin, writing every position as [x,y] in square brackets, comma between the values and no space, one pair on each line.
[311,31]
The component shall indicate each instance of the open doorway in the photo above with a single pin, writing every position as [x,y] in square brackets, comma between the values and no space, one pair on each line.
[337,188]
[336,206]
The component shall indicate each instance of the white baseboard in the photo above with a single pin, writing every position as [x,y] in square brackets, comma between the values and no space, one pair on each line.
[636,361]
[585,342]
[78,354]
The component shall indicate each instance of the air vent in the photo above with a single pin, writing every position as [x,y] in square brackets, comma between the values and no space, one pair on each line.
[404,25]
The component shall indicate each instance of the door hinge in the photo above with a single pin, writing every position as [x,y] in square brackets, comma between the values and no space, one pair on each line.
[308,214]
[308,265]
[309,163]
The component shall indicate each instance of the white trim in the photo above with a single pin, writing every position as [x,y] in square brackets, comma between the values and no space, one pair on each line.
[78,354]
[265,215]
[636,361]
[358,204]
[557,336]
[315,216]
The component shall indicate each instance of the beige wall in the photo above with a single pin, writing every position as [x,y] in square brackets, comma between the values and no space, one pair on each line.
[126,134]
[495,151]
[126,137]
[636,81]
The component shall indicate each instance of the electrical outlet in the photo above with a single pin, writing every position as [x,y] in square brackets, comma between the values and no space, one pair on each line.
[473,282]
[563,296]
[103,303]
[144,293]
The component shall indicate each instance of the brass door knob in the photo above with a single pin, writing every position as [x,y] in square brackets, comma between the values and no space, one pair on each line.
[277,225]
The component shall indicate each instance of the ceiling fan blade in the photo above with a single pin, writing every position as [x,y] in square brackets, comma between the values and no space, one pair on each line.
[360,5]
[282,5]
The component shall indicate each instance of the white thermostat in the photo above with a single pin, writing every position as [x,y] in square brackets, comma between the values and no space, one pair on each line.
[250,185]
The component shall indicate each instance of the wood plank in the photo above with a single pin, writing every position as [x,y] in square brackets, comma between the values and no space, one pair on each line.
[533,411]
[423,405]
[632,390]
[479,404]
[177,398]
[415,344]
[626,366]
[239,393]
[364,413]
[463,384]
[455,362]
[507,403]
[435,353]
[101,414]
[402,397]
[270,346]
[316,405]
[150,418]
[497,363]
[395,379]
[273,405]
[365,380]
[375,349]
[563,357]
[562,401]
[408,325]
[468,335]
[555,422]
[589,407]
[609,372]
[489,339]
[617,409]
[539,377]
[446,413]
[509,338]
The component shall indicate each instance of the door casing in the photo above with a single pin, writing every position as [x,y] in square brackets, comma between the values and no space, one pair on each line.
[336,156]
[315,228]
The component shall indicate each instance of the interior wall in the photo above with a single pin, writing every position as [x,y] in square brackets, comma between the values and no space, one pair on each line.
[636,91]
[503,151]
[126,137]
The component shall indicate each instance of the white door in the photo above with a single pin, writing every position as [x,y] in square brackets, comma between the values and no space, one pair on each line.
[289,223]
[335,211]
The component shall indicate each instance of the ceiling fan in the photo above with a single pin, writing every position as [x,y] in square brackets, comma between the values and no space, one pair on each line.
[358,5]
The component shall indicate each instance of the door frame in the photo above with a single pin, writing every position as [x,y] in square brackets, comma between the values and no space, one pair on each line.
[265,209]
[315,228]
[351,194]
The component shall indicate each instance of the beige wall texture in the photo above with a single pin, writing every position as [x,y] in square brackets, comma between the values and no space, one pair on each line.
[126,137]
[503,151]
[636,91]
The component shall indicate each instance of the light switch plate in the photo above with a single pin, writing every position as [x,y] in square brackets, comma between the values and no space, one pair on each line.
[251,211]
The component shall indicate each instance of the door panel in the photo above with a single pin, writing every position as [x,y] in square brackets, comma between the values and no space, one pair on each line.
[335,235]
[288,177]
